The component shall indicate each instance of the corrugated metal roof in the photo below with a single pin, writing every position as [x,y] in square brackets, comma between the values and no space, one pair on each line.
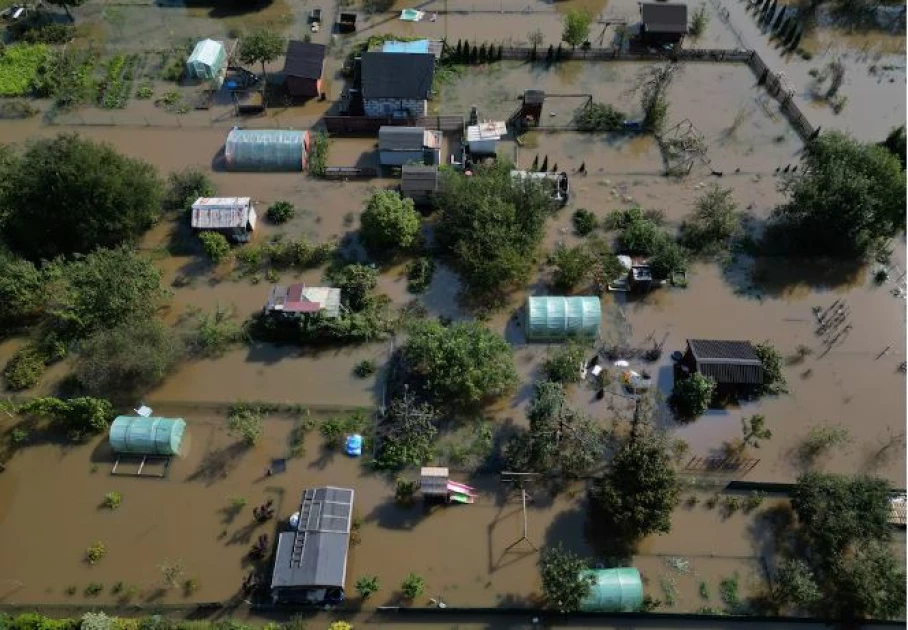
[723,350]
[213,213]
[554,317]
[401,138]
[315,555]
[298,298]
[487,131]
[731,362]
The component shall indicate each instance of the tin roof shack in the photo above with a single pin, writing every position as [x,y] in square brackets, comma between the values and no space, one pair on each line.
[396,84]
[408,145]
[234,217]
[297,300]
[419,183]
[482,139]
[304,66]
[733,365]
[310,565]
[662,24]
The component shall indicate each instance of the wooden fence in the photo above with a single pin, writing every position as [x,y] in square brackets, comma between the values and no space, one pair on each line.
[786,99]
[369,126]
[525,53]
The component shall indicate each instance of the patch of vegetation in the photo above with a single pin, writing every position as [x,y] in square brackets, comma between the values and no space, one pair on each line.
[280,212]
[190,586]
[215,246]
[584,222]
[335,429]
[17,110]
[640,234]
[563,365]
[172,572]
[95,552]
[19,65]
[79,418]
[773,381]
[571,265]
[367,585]
[599,117]
[413,586]
[728,589]
[114,90]
[408,434]
[112,500]
[753,501]
[39,28]
[419,274]
[823,438]
[692,396]
[184,187]
[24,369]
[576,26]
[703,589]
[390,224]
[364,368]
[405,490]
[714,223]
[93,589]
[145,91]
[699,20]
[564,585]
[245,422]
[67,76]
[318,154]
[895,143]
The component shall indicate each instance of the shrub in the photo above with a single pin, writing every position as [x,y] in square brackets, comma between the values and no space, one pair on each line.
[93,589]
[599,117]
[95,552]
[699,20]
[215,332]
[246,423]
[714,222]
[562,583]
[364,368]
[389,223]
[572,265]
[184,187]
[78,417]
[318,154]
[773,381]
[190,586]
[691,396]
[24,369]
[95,621]
[404,490]
[563,365]
[419,274]
[823,438]
[280,212]
[19,64]
[584,222]
[413,586]
[112,500]
[215,245]
[367,585]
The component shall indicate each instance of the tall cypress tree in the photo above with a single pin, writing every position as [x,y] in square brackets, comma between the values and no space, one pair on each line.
[483,54]
[474,55]
[501,52]
[771,13]
[533,53]
[550,54]
[465,53]
[545,165]
[458,51]
[558,52]
[778,21]
[796,40]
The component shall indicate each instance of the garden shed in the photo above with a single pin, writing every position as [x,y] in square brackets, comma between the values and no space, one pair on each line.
[731,364]
[613,590]
[266,150]
[553,318]
[419,183]
[207,61]
[147,436]
[234,217]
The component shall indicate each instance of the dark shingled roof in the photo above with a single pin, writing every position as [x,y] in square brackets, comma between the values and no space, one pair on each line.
[664,18]
[397,75]
[304,60]
[315,555]
[734,362]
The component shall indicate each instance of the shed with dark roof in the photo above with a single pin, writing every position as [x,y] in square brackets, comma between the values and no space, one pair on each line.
[304,65]
[663,23]
[310,565]
[419,183]
[728,363]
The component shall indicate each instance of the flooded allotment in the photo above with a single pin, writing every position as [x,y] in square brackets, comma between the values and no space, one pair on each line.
[522,305]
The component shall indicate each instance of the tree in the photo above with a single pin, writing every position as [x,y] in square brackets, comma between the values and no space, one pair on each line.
[563,365]
[584,222]
[78,417]
[24,369]
[668,258]
[771,360]
[22,294]
[868,583]
[754,431]
[128,360]
[261,45]
[599,117]
[408,434]
[280,212]
[571,266]
[461,365]
[184,187]
[458,52]
[691,396]
[66,4]
[564,583]
[215,246]
[895,144]
[639,235]
[636,495]
[535,38]
[576,26]
[822,438]
[652,85]
[101,290]
[795,585]
[367,585]
[413,586]
[67,195]
[490,228]
[714,222]
[778,20]
[356,283]
[389,223]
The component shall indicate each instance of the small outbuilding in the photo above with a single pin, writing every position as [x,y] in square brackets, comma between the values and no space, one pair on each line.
[733,365]
[482,139]
[208,61]
[613,590]
[419,183]
[551,318]
[310,566]
[407,145]
[266,150]
[234,217]
[431,46]
[304,66]
[147,436]
[662,23]
[297,300]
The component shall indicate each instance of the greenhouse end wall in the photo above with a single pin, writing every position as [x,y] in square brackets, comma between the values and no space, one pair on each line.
[266,150]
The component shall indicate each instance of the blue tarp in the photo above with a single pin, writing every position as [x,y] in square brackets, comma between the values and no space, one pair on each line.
[421,46]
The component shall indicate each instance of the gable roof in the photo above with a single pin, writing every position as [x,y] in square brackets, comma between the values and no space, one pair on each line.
[397,75]
[392,138]
[304,60]
[664,18]
[315,554]
[299,298]
[215,213]
[727,361]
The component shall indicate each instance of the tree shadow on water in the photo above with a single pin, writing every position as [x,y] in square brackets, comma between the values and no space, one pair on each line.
[774,277]
[231,8]
[217,464]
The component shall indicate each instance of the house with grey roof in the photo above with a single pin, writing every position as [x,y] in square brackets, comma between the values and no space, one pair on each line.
[310,566]
[396,84]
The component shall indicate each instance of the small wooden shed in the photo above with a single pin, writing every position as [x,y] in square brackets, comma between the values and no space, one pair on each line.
[419,183]
[234,217]
[433,481]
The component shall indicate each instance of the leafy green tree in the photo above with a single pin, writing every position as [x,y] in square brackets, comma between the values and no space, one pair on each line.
[262,46]
[215,246]
[184,187]
[576,26]
[389,223]
[795,585]
[66,4]
[22,296]
[408,434]
[584,222]
[691,396]
[67,195]
[846,201]
[895,144]
[24,369]
[128,360]
[754,430]
[639,235]
[773,380]
[599,117]
[563,365]
[490,228]
[571,266]
[636,495]
[714,222]
[280,212]
[101,290]
[868,583]
[461,365]
[356,283]
[564,584]
[78,417]
[668,257]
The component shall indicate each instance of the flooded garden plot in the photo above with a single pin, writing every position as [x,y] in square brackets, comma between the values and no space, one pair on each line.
[198,519]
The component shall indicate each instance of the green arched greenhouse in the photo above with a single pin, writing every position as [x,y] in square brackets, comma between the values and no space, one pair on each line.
[147,436]
[614,590]
[552,318]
